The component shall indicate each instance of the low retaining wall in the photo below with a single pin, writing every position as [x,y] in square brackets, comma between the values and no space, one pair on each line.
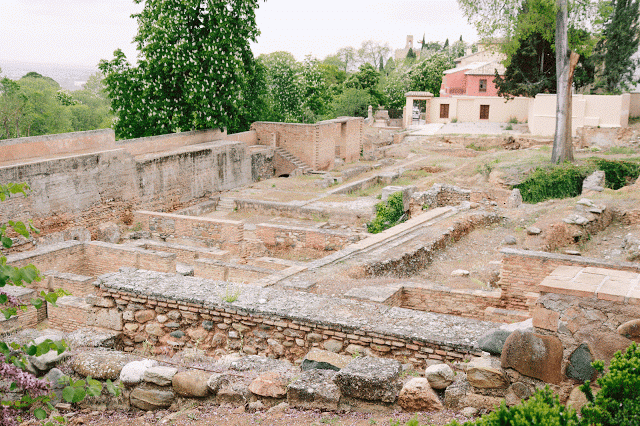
[218,270]
[523,270]
[28,318]
[439,299]
[70,314]
[297,237]
[219,233]
[60,144]
[170,141]
[274,322]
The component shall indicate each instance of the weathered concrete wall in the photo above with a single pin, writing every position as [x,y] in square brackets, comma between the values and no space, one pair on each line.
[170,141]
[263,163]
[279,323]
[60,144]
[89,189]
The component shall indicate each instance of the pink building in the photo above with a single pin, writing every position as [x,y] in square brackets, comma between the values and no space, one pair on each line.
[473,75]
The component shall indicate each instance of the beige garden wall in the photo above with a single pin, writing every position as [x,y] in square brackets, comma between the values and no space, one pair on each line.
[609,111]
[634,105]
[467,109]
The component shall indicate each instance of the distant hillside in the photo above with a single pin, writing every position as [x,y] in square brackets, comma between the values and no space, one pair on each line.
[68,76]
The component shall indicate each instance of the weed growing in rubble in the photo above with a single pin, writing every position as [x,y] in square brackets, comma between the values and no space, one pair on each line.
[231,294]
[388,214]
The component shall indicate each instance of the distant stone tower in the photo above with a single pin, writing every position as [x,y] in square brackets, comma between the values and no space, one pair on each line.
[409,43]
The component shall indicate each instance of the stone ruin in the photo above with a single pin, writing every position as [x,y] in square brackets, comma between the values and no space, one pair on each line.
[181,282]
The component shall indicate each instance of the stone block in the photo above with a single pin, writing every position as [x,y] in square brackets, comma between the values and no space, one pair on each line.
[417,395]
[314,389]
[150,399]
[191,383]
[324,360]
[372,379]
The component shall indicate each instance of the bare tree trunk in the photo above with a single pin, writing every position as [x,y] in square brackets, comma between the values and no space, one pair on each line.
[566,62]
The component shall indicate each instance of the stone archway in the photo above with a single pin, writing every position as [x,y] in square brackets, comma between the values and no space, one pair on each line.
[408,109]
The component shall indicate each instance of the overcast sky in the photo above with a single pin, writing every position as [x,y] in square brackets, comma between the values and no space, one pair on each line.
[81,32]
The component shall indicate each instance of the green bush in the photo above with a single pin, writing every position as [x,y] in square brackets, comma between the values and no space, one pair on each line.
[618,402]
[387,214]
[543,408]
[617,173]
[563,181]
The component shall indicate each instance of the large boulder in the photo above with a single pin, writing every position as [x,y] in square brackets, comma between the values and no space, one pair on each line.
[191,383]
[594,182]
[493,341]
[372,379]
[579,366]
[630,330]
[149,398]
[534,355]
[439,376]
[314,389]
[324,360]
[417,395]
[269,384]
[101,365]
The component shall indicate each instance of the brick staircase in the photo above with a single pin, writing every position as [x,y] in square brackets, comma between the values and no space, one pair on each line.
[226,205]
[301,167]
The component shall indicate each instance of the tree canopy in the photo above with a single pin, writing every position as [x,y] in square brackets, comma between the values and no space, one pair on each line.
[192,68]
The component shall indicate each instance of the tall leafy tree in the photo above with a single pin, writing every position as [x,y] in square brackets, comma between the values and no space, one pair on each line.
[619,43]
[12,104]
[191,71]
[495,18]
[426,75]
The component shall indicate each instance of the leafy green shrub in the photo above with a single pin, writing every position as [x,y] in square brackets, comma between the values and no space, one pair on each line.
[387,214]
[513,120]
[543,408]
[618,402]
[562,181]
[617,173]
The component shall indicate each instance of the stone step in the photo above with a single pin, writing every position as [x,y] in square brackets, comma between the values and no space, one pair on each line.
[226,205]
[301,166]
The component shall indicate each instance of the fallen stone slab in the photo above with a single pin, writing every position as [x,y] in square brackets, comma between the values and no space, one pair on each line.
[161,376]
[493,341]
[324,360]
[151,399]
[314,389]
[101,365]
[133,372]
[371,379]
[483,374]
[269,384]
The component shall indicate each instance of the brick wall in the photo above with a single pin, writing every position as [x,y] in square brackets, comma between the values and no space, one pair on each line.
[184,254]
[462,302]
[298,139]
[223,271]
[220,233]
[77,285]
[630,217]
[294,338]
[523,270]
[28,318]
[70,314]
[296,237]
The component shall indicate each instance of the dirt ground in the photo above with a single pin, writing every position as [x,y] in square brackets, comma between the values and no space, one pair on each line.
[212,415]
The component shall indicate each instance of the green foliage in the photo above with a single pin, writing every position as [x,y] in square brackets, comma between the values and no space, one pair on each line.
[615,51]
[543,408]
[192,68]
[12,105]
[367,78]
[231,294]
[562,181]
[618,173]
[426,75]
[353,103]
[387,214]
[411,54]
[618,401]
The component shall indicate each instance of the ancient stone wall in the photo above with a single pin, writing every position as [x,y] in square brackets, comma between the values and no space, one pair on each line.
[219,233]
[171,311]
[523,270]
[70,314]
[151,144]
[89,189]
[298,139]
[263,163]
[297,237]
[60,144]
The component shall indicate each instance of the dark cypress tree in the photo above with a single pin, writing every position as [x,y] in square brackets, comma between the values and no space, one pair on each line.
[381,68]
[615,50]
[411,54]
